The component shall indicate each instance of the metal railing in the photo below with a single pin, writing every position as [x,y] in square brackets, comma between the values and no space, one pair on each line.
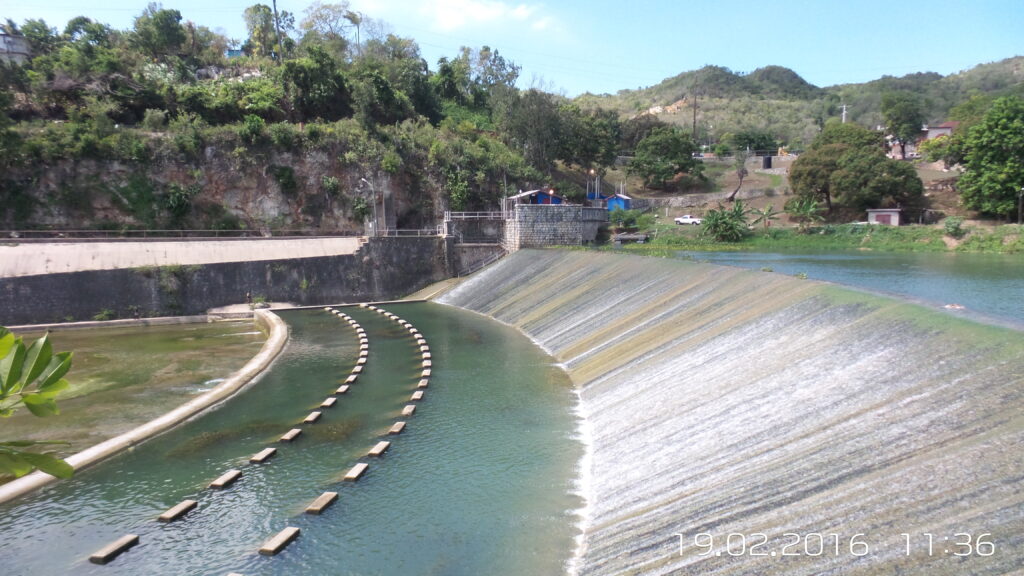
[398,232]
[482,264]
[122,234]
[448,216]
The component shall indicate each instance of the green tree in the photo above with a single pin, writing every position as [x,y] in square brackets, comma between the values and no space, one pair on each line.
[754,141]
[995,160]
[264,38]
[726,224]
[327,25]
[765,216]
[317,87]
[664,154]
[806,211]
[904,114]
[739,165]
[31,377]
[158,32]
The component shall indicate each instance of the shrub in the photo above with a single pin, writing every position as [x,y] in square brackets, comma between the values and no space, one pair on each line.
[154,120]
[954,226]
[284,135]
[251,130]
[330,185]
[285,177]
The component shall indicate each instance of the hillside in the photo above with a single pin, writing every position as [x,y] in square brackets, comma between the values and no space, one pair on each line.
[778,100]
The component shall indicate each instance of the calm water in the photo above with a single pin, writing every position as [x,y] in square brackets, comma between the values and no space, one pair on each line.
[990,284]
[123,377]
[480,482]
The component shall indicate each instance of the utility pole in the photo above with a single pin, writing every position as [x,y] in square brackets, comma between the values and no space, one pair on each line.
[844,113]
[277,28]
[1020,205]
[694,115]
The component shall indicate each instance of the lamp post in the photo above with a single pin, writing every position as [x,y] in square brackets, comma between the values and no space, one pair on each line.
[373,191]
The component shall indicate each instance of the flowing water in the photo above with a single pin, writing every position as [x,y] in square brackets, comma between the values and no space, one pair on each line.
[742,422]
[992,284]
[480,482]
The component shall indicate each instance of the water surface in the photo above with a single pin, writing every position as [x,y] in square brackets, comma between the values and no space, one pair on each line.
[479,483]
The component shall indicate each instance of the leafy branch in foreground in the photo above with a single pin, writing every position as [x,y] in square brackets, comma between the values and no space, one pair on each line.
[31,376]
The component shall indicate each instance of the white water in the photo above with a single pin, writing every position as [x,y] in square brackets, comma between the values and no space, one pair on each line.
[744,403]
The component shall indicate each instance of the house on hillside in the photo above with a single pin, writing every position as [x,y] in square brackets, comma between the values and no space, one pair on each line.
[886,216]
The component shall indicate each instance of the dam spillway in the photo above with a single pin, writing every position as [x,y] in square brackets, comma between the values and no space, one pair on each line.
[744,422]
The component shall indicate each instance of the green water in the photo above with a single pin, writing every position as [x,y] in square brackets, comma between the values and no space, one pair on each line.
[480,482]
[123,377]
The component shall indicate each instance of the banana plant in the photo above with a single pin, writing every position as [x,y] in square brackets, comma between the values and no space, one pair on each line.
[31,377]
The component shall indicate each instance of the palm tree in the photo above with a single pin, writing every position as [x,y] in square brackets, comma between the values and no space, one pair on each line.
[806,212]
[355,18]
[765,215]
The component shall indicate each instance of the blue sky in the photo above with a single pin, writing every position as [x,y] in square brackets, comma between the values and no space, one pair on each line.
[576,46]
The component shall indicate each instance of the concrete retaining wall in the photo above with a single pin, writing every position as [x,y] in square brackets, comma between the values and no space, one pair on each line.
[384,268]
[553,225]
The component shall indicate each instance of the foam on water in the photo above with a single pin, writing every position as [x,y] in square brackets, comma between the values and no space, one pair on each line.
[746,403]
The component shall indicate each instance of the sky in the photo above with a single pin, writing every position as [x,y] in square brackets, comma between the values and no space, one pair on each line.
[598,46]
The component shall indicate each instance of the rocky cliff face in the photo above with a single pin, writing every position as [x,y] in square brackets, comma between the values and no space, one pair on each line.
[259,190]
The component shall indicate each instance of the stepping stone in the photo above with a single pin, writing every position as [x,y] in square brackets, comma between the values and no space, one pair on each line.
[280,541]
[397,428]
[290,435]
[263,455]
[327,403]
[114,549]
[177,511]
[321,503]
[423,383]
[409,410]
[356,471]
[313,417]
[416,396]
[226,479]
[342,389]
[426,373]
[379,448]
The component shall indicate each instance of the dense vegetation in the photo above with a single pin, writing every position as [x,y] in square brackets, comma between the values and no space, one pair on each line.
[333,83]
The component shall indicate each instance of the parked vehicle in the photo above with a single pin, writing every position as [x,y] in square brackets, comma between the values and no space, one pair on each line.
[687,219]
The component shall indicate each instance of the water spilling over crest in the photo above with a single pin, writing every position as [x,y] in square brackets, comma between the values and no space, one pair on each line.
[746,422]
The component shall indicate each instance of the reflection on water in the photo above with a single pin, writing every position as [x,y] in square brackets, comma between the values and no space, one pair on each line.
[992,284]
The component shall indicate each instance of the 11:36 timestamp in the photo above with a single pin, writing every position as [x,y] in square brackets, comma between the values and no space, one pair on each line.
[833,544]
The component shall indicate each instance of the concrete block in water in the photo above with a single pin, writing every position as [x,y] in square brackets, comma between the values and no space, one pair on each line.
[397,428]
[177,511]
[364,353]
[365,305]
[342,389]
[426,373]
[328,402]
[427,363]
[313,417]
[379,448]
[423,383]
[409,410]
[416,396]
[280,541]
[357,370]
[424,348]
[321,503]
[263,455]
[290,435]
[363,345]
[226,479]
[361,361]
[427,356]
[356,471]
[114,549]
[351,379]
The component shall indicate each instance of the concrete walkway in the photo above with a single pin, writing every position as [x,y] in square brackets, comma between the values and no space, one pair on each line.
[31,258]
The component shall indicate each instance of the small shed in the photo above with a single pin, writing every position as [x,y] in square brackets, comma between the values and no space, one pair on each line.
[886,216]
[618,202]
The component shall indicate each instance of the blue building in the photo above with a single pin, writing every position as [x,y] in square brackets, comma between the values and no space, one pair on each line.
[537,197]
[618,202]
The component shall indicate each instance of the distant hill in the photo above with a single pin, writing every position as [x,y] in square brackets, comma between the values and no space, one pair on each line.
[778,100]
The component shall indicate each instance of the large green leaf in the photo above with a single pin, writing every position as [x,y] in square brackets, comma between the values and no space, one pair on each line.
[40,405]
[51,390]
[50,464]
[12,463]
[7,340]
[37,359]
[10,370]
[58,367]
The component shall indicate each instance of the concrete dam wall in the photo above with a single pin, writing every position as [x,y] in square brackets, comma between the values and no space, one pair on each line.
[745,422]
